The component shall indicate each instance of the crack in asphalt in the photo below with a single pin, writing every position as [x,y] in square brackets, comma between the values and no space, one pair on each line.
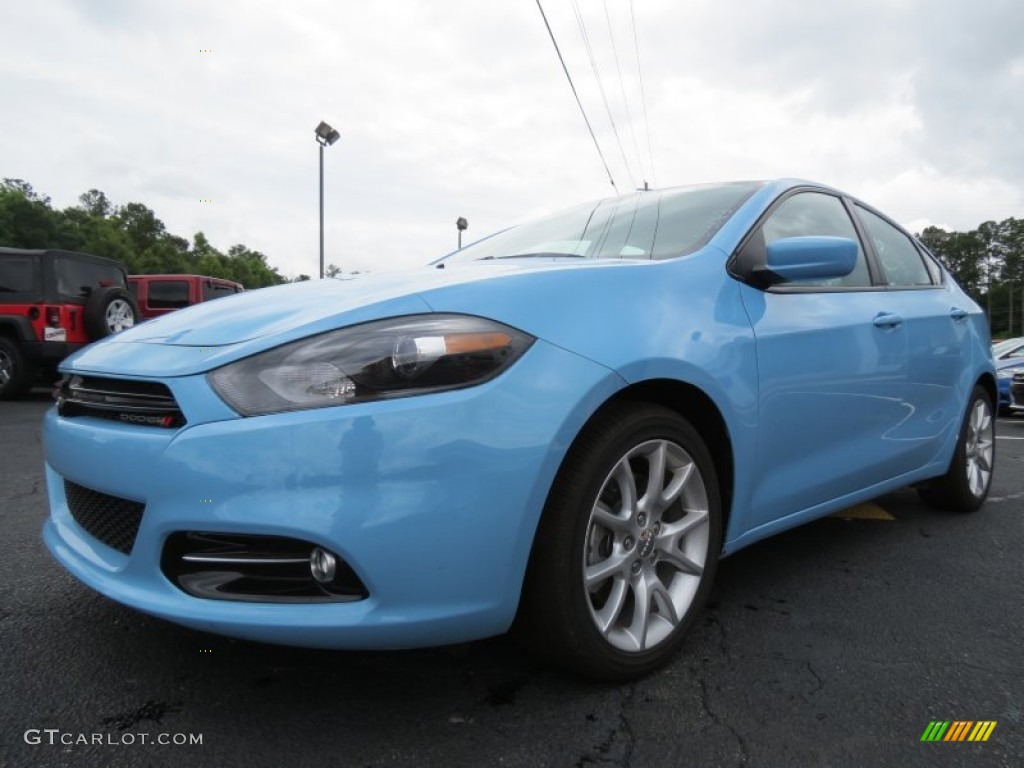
[821,682]
[22,494]
[152,711]
[713,618]
[599,754]
[628,703]
[706,706]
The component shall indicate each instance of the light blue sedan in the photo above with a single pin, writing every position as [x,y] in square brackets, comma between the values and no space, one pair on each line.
[559,429]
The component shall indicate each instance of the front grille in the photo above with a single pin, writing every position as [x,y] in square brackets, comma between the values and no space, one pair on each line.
[146,403]
[112,520]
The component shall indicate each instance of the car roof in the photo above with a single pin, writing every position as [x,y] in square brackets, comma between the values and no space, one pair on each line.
[178,276]
[5,251]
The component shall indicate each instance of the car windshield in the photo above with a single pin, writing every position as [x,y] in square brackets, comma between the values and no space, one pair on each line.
[643,225]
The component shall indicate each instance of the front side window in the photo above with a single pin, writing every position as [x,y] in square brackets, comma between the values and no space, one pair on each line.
[814,214]
[168,294]
[904,267]
[645,225]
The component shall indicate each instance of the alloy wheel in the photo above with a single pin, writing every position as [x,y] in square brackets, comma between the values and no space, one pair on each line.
[6,368]
[119,316]
[979,447]
[646,545]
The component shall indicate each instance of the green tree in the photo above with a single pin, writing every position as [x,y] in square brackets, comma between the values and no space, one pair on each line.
[131,233]
[26,218]
[96,203]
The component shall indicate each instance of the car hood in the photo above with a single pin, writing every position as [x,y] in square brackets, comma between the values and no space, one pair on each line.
[274,311]
[207,335]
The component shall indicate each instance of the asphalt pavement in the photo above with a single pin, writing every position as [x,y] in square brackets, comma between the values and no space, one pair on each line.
[835,644]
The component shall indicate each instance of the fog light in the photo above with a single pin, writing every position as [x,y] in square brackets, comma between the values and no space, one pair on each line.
[322,565]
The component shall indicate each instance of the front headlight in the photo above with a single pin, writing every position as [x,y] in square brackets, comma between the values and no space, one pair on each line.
[389,358]
[1007,373]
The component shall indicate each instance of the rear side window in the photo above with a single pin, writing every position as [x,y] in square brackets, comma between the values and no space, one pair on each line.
[168,294]
[17,274]
[77,278]
[212,290]
[903,264]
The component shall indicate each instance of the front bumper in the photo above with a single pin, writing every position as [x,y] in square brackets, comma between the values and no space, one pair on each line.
[432,500]
[1015,394]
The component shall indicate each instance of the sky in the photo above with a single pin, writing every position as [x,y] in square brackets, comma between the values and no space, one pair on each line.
[205,111]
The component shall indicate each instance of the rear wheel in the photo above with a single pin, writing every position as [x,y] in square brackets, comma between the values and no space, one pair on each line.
[627,547]
[16,375]
[965,485]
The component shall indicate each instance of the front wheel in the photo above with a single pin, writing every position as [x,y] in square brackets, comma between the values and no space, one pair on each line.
[965,485]
[627,546]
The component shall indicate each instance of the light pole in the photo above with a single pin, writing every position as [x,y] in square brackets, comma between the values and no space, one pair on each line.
[325,136]
[462,225]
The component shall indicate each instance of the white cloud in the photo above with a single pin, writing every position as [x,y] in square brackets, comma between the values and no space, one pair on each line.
[461,109]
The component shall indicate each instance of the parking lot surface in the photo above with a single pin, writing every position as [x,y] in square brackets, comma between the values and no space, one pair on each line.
[835,644]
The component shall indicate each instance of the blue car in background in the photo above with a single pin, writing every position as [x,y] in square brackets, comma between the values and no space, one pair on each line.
[1009,358]
[559,429]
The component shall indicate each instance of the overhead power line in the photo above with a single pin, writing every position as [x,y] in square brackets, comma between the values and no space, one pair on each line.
[625,101]
[577,96]
[600,86]
[643,96]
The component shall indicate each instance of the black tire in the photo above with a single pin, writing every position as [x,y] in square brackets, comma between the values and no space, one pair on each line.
[559,615]
[109,310]
[16,375]
[966,484]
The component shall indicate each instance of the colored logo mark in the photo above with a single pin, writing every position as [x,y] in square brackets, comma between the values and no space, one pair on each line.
[958,730]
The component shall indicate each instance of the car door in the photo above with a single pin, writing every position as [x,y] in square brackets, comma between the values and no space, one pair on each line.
[936,326]
[832,365]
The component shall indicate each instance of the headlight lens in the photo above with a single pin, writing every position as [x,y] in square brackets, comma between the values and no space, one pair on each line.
[1007,373]
[390,358]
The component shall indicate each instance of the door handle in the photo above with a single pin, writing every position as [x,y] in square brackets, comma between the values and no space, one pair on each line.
[886,320]
[957,314]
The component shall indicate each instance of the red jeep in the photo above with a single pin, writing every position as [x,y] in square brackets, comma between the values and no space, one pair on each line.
[159,294]
[51,303]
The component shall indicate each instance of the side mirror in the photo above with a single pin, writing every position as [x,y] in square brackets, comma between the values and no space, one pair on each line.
[810,258]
